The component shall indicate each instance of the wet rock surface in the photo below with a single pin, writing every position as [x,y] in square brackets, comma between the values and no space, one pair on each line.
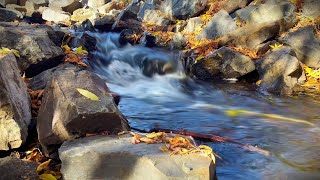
[15,110]
[117,158]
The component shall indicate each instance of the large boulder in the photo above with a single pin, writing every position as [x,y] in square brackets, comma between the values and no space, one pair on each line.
[305,44]
[14,168]
[280,71]
[223,63]
[251,36]
[155,17]
[220,24]
[105,157]
[65,114]
[55,15]
[82,14]
[244,13]
[15,110]
[311,8]
[8,15]
[65,5]
[282,11]
[232,5]
[38,52]
[193,24]
[177,9]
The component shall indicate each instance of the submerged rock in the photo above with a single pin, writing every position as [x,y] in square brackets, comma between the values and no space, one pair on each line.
[65,114]
[38,52]
[15,110]
[220,24]
[178,9]
[223,63]
[305,44]
[252,35]
[280,71]
[104,157]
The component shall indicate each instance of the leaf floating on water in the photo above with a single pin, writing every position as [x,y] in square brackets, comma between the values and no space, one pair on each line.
[81,51]
[47,177]
[88,94]
[43,165]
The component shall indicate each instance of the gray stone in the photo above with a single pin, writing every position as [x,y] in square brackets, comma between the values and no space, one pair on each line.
[16,7]
[244,13]
[283,12]
[65,5]
[104,9]
[311,8]
[8,15]
[96,3]
[83,14]
[5,2]
[156,18]
[15,110]
[40,2]
[105,157]
[178,9]
[220,24]
[232,5]
[179,41]
[280,71]
[65,114]
[251,35]
[223,63]
[13,168]
[105,23]
[144,7]
[306,45]
[38,52]
[55,15]
[194,24]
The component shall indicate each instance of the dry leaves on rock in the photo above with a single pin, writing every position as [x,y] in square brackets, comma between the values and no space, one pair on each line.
[75,57]
[46,172]
[313,78]
[4,51]
[36,97]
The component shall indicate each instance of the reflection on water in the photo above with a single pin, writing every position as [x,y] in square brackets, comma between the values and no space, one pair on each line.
[176,102]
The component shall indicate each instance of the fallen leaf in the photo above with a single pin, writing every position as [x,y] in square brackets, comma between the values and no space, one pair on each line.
[81,51]
[47,177]
[88,94]
[43,165]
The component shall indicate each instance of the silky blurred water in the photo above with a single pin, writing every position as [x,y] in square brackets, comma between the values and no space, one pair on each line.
[175,101]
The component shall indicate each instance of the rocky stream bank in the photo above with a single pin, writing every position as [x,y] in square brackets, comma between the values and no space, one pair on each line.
[50,94]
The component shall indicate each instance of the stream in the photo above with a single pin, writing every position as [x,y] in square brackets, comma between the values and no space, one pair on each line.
[175,101]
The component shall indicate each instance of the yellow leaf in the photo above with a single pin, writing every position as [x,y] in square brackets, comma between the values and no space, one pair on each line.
[88,94]
[16,53]
[81,51]
[156,135]
[43,165]
[258,82]
[6,50]
[219,55]
[199,57]
[47,177]
[164,149]
[275,46]
[66,48]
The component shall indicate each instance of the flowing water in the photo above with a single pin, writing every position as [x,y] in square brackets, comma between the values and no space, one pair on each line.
[176,101]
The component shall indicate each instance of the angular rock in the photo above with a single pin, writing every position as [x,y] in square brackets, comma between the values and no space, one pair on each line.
[82,14]
[96,3]
[193,24]
[283,11]
[55,15]
[311,8]
[223,63]
[220,24]
[15,110]
[105,157]
[105,23]
[14,168]
[145,6]
[36,49]
[16,7]
[8,15]
[280,71]
[148,40]
[244,13]
[5,2]
[155,17]
[305,45]
[104,9]
[39,2]
[252,35]
[86,41]
[65,5]
[65,114]
[177,9]
[232,5]
[179,41]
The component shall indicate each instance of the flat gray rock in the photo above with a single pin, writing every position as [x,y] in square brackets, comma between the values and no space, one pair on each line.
[105,157]
[178,9]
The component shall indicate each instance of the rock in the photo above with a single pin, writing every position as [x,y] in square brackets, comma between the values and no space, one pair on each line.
[251,35]
[148,40]
[156,18]
[36,49]
[8,15]
[193,24]
[223,63]
[232,5]
[105,23]
[55,15]
[13,168]
[104,9]
[82,14]
[5,2]
[96,3]
[179,41]
[65,114]
[280,71]
[311,8]
[244,13]
[66,5]
[305,44]
[177,9]
[220,24]
[85,40]
[283,12]
[86,25]
[16,7]
[15,110]
[145,6]
[105,157]
[39,2]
